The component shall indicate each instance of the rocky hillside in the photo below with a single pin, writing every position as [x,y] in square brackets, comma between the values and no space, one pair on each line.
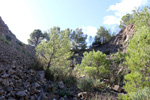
[12,50]
[19,82]
[119,42]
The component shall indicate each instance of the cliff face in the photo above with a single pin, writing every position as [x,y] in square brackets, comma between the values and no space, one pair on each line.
[13,50]
[119,42]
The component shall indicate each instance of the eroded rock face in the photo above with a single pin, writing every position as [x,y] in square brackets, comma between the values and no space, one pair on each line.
[120,41]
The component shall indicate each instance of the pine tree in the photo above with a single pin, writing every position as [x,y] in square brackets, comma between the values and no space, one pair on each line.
[138,59]
[78,39]
[56,51]
[94,64]
[125,20]
[102,36]
[36,37]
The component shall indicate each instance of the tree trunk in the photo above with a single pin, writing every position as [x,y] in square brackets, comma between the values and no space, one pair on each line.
[48,66]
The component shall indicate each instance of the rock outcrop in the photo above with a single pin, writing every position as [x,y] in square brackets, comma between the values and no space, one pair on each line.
[119,42]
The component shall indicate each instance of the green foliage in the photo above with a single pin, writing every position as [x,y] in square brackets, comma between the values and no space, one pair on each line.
[125,20]
[123,97]
[102,36]
[98,86]
[85,84]
[46,36]
[36,37]
[142,94]
[95,65]
[54,53]
[78,39]
[140,18]
[138,54]
[8,38]
[138,61]
[60,73]
[20,43]
[70,79]
[4,40]
[119,68]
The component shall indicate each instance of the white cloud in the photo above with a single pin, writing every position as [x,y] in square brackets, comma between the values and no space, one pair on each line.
[89,30]
[122,8]
[126,6]
[109,20]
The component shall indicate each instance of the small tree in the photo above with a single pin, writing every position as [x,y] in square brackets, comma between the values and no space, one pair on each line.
[78,39]
[56,51]
[125,20]
[102,36]
[94,64]
[36,37]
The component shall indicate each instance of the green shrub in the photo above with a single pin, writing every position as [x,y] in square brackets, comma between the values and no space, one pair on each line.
[140,94]
[123,97]
[98,86]
[60,73]
[94,65]
[8,38]
[70,80]
[85,84]
[5,41]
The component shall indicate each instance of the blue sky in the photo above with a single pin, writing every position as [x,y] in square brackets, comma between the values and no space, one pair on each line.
[23,16]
